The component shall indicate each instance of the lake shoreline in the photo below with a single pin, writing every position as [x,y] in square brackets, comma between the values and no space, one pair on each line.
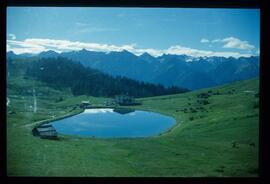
[114,123]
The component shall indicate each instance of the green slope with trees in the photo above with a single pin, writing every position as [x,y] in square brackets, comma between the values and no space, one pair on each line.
[64,73]
[216,135]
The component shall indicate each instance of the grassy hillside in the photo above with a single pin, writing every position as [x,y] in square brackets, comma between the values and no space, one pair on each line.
[215,135]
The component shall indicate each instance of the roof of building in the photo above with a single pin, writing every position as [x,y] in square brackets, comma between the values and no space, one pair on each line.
[85,101]
[46,128]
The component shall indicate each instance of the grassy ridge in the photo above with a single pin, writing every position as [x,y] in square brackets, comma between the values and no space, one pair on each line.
[199,145]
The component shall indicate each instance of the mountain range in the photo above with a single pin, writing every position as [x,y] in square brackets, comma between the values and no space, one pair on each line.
[179,70]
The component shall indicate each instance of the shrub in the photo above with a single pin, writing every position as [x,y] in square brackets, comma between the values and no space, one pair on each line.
[256,105]
[205,102]
[203,95]
[60,99]
[257,95]
[217,93]
[234,144]
[252,144]
[193,110]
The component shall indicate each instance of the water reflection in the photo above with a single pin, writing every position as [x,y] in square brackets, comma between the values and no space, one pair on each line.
[124,111]
[95,111]
[113,123]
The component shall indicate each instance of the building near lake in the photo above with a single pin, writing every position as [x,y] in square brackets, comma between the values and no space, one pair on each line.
[125,100]
[85,104]
[45,132]
[110,103]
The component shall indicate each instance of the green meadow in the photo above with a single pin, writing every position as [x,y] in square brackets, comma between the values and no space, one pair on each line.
[216,135]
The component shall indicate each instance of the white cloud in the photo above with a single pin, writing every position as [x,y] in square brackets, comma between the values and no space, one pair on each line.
[234,43]
[24,47]
[216,40]
[12,36]
[36,45]
[179,50]
[204,40]
[8,48]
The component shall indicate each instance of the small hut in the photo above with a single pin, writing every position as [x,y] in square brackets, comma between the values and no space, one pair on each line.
[85,104]
[125,100]
[45,132]
[110,103]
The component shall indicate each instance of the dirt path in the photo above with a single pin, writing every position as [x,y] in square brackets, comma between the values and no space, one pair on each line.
[50,119]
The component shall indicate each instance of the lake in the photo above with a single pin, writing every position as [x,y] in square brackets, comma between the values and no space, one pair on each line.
[114,123]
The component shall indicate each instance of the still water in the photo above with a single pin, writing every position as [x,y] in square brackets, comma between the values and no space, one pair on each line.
[114,123]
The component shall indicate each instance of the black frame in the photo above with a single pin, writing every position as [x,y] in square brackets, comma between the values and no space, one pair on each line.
[264,65]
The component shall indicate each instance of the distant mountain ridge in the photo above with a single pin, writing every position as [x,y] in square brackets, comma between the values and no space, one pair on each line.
[62,73]
[180,70]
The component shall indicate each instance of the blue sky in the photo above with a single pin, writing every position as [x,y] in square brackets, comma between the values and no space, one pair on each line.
[195,32]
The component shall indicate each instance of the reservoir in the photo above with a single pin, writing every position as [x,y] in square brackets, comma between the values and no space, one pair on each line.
[114,123]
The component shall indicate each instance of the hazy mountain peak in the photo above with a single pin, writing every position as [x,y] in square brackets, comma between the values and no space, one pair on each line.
[126,52]
[122,53]
[49,53]
[10,52]
[83,50]
[146,55]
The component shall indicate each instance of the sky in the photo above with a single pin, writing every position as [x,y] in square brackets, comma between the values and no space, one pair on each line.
[192,31]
